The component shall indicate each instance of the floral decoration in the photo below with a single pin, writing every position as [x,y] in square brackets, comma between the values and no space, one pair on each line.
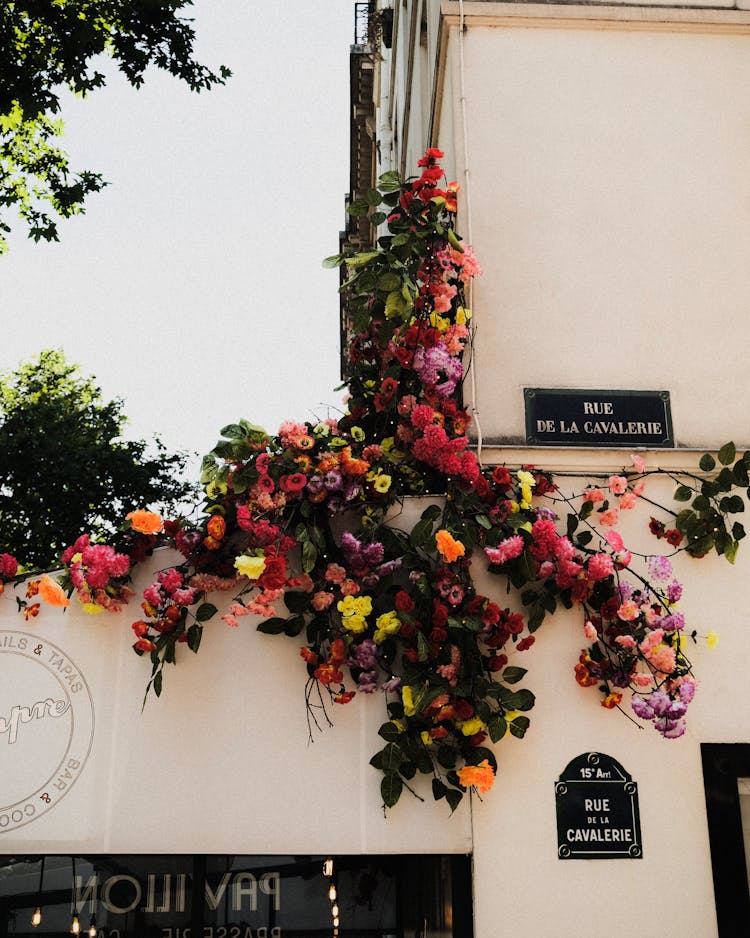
[303,529]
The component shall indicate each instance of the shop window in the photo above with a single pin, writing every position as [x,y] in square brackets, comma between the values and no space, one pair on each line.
[211,896]
[726,776]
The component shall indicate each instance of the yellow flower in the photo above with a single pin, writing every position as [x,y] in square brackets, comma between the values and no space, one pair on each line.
[358,434]
[528,482]
[471,727]
[462,316]
[711,639]
[387,624]
[355,606]
[408,701]
[92,608]
[426,738]
[441,323]
[251,567]
[382,483]
[354,623]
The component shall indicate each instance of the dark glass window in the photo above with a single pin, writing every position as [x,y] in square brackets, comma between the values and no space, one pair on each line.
[726,767]
[220,896]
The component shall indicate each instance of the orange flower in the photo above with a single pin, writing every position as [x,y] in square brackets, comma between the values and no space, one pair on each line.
[145,522]
[217,527]
[31,611]
[32,588]
[480,776]
[451,201]
[52,593]
[450,549]
[612,700]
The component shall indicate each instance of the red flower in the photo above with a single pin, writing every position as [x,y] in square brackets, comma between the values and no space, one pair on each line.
[31,611]
[144,644]
[673,536]
[274,573]
[344,697]
[404,602]
[525,643]
[140,628]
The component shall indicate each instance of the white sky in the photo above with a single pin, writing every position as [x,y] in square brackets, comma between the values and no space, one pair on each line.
[193,287]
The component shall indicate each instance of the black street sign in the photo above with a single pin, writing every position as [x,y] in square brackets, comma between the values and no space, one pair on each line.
[557,417]
[597,810]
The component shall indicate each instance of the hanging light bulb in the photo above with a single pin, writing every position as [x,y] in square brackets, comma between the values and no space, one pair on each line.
[36,918]
[332,892]
[328,867]
[92,931]
[335,911]
[336,923]
[75,925]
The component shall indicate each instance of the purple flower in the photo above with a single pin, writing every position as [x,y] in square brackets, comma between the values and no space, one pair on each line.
[659,567]
[391,685]
[671,729]
[642,708]
[333,480]
[673,623]
[674,591]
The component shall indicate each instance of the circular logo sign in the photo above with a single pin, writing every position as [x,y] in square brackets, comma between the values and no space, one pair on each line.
[46,727]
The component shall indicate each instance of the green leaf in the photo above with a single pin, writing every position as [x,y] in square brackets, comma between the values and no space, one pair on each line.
[439,789]
[683,493]
[453,797]
[446,756]
[194,635]
[512,674]
[388,281]
[157,683]
[391,788]
[727,453]
[372,197]
[297,601]
[707,462]
[519,726]
[497,727]
[392,758]
[358,209]
[205,611]
[390,732]
[309,556]
[334,260]
[273,626]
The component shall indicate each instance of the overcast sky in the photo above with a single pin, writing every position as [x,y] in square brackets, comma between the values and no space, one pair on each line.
[193,287]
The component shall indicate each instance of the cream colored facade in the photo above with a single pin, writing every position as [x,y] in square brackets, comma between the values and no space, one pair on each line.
[603,153]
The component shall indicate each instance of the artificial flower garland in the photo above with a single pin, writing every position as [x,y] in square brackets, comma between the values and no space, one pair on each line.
[301,529]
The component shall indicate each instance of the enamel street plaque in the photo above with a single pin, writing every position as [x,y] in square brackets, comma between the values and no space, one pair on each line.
[556,417]
[597,810]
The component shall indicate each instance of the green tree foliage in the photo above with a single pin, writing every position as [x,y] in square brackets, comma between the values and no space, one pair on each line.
[48,45]
[65,469]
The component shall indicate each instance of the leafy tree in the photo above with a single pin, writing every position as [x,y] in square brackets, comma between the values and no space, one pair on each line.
[46,45]
[64,468]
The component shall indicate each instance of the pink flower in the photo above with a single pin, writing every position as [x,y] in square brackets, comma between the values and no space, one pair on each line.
[600,567]
[589,631]
[321,601]
[335,573]
[618,485]
[593,495]
[609,517]
[628,611]
[639,462]
[614,540]
[628,500]
[506,550]
[625,641]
